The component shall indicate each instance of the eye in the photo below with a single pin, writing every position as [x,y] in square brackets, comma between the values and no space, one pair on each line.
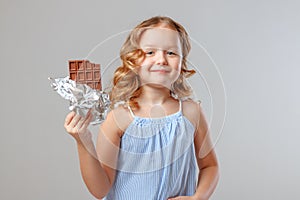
[171,53]
[149,53]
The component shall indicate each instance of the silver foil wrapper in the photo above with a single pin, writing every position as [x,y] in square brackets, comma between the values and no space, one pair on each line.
[82,98]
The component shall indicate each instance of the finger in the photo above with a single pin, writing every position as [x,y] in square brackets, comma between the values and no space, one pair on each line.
[75,120]
[89,116]
[87,121]
[69,118]
[90,110]
[79,124]
[83,119]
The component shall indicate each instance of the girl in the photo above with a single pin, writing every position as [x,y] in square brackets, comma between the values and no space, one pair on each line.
[153,144]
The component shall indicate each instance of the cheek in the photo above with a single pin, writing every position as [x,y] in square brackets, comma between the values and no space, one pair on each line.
[146,62]
[177,64]
[143,70]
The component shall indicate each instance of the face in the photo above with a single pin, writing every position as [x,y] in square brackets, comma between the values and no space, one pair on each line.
[163,57]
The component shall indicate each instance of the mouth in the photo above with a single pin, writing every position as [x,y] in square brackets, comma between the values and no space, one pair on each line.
[160,69]
[163,71]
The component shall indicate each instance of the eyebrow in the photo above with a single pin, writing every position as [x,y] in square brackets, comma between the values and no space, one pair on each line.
[170,47]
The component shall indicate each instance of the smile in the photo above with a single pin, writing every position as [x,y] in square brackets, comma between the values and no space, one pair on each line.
[160,71]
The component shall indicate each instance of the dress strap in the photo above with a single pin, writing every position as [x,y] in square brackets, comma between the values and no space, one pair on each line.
[130,111]
[180,106]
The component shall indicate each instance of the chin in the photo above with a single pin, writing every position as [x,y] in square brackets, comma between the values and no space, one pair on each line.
[159,85]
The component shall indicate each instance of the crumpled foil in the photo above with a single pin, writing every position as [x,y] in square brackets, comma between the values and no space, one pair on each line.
[82,98]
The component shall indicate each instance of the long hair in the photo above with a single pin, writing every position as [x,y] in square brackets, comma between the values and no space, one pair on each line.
[126,84]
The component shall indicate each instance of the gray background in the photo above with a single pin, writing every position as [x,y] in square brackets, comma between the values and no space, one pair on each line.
[255,44]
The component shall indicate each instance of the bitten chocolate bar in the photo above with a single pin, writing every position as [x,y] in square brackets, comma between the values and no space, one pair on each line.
[85,72]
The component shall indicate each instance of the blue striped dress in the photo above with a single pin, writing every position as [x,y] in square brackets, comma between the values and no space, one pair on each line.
[156,159]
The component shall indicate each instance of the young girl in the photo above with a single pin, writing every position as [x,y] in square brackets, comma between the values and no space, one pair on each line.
[154,143]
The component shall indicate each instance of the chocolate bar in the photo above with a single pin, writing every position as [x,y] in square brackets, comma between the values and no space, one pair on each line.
[85,72]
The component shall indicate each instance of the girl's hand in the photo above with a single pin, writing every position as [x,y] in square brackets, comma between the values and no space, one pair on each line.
[76,125]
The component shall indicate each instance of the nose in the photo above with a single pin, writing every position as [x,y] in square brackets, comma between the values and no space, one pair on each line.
[161,58]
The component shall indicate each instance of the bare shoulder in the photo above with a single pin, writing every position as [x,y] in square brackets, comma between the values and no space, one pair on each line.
[118,119]
[190,104]
[191,110]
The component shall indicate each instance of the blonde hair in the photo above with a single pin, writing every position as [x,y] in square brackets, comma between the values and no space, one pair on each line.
[126,84]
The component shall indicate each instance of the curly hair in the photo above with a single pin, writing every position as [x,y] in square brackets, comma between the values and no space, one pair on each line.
[126,84]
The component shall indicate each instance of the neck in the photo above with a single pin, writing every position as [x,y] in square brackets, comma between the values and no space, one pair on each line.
[151,95]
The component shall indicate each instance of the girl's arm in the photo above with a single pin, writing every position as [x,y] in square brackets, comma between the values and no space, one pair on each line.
[206,159]
[93,174]
[96,177]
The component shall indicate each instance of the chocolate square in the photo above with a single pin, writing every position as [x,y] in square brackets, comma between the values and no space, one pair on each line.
[85,72]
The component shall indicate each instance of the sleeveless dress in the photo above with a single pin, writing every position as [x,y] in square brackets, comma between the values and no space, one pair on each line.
[156,159]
